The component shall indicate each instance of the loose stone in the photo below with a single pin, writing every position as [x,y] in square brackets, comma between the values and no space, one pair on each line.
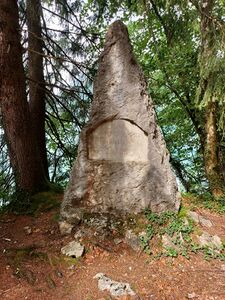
[73,249]
[115,288]
[213,242]
[65,227]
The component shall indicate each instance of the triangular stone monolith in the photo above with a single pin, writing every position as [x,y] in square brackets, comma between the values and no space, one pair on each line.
[122,164]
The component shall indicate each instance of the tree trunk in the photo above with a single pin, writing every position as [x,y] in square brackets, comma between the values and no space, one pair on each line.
[36,78]
[23,153]
[212,160]
[211,152]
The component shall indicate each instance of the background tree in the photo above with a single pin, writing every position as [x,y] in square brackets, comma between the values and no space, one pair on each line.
[16,120]
[58,103]
[37,95]
[210,93]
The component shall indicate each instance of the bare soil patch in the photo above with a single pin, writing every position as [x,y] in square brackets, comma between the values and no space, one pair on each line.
[32,267]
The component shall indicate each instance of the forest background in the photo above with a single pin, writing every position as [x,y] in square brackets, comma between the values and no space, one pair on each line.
[49,52]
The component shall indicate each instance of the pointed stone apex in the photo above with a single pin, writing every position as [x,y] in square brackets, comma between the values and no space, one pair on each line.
[116,30]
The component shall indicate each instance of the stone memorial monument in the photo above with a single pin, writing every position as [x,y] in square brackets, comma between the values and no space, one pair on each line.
[122,164]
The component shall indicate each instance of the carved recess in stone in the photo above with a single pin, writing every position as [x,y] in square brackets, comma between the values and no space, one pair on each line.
[118,141]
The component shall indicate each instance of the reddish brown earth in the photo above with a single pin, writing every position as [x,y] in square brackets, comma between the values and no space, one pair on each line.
[42,273]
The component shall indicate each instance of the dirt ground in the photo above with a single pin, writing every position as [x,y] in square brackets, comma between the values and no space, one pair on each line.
[32,267]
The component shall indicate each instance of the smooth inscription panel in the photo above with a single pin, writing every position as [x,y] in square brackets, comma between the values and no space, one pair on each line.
[118,141]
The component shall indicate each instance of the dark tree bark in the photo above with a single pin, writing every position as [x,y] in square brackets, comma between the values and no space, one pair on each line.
[23,152]
[36,78]
[211,152]
[212,159]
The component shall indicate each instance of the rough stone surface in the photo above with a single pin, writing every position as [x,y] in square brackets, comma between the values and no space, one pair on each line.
[167,241]
[80,234]
[211,241]
[117,241]
[122,163]
[205,222]
[27,230]
[193,216]
[73,249]
[199,219]
[133,240]
[115,288]
[65,227]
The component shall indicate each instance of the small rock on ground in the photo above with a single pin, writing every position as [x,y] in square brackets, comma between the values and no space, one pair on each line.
[205,222]
[65,227]
[27,230]
[194,216]
[199,219]
[73,249]
[212,241]
[167,241]
[133,240]
[115,288]
[80,234]
[192,295]
[117,241]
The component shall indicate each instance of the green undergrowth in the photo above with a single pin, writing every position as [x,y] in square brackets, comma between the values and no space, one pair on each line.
[45,201]
[18,256]
[23,203]
[206,201]
[65,260]
[179,230]
[22,258]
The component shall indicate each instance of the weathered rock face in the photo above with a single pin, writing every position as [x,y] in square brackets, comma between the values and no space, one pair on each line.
[122,164]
